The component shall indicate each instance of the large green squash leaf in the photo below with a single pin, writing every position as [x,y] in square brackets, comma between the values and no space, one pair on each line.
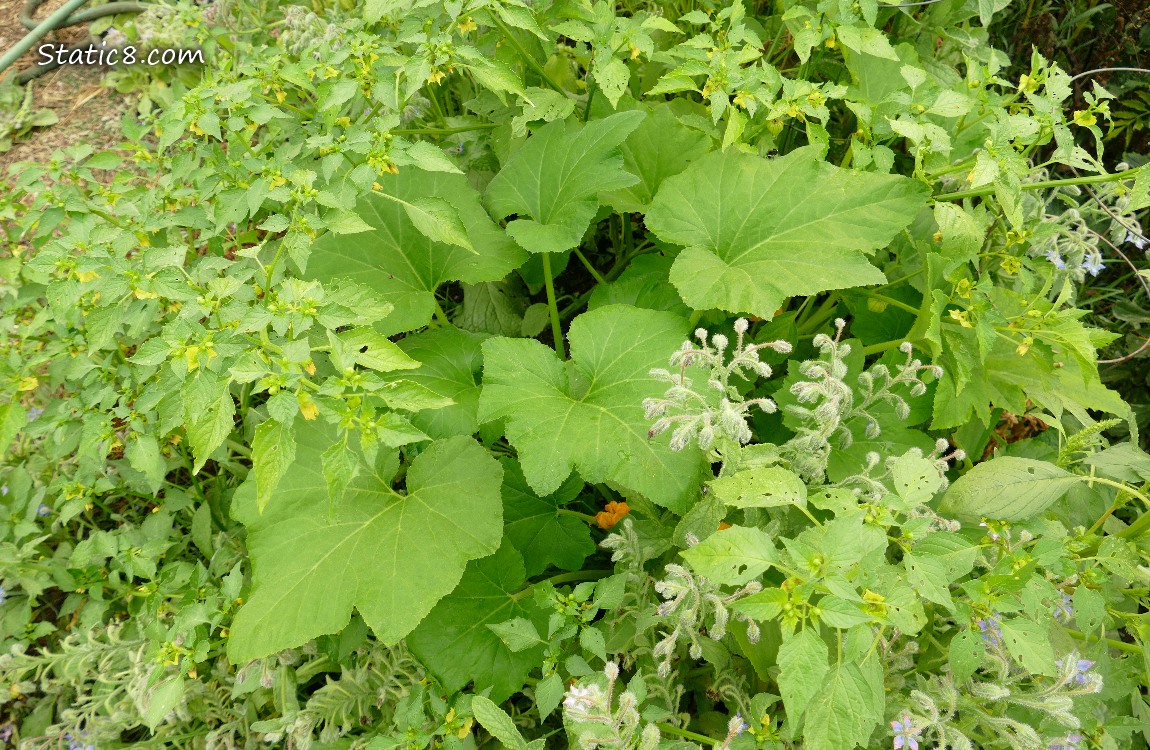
[455,642]
[450,365]
[757,231]
[588,414]
[389,555]
[660,147]
[553,181]
[400,262]
[534,525]
[1007,488]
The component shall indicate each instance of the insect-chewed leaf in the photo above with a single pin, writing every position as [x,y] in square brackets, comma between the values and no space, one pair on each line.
[733,556]
[553,181]
[587,414]
[757,231]
[390,556]
[400,262]
[1007,488]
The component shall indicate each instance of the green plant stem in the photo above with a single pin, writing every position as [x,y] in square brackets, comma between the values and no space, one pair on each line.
[885,346]
[825,312]
[440,315]
[888,300]
[1130,648]
[553,308]
[445,131]
[1091,180]
[585,518]
[1117,503]
[590,268]
[685,734]
[527,57]
[577,576]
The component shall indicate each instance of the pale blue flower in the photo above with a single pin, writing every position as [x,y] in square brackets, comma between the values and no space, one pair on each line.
[905,733]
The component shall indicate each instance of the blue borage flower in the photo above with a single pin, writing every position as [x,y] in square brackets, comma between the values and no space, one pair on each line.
[991,631]
[905,733]
[1070,742]
[1080,671]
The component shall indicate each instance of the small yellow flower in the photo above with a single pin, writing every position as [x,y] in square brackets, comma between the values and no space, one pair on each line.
[27,383]
[830,43]
[962,317]
[307,407]
[87,275]
[343,122]
[1011,265]
[142,294]
[436,76]
[467,25]
[1085,118]
[634,52]
[1024,347]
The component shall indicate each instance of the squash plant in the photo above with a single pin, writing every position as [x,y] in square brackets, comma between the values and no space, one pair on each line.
[575,374]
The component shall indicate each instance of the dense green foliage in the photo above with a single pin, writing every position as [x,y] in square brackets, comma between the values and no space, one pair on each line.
[455,374]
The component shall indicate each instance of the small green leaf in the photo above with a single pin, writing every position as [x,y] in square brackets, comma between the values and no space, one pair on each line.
[143,454]
[802,668]
[439,221]
[517,634]
[761,487]
[1029,643]
[273,451]
[928,577]
[496,721]
[549,694]
[1006,488]
[965,654]
[162,699]
[846,710]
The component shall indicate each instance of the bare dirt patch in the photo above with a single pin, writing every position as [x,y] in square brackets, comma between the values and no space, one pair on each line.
[89,113]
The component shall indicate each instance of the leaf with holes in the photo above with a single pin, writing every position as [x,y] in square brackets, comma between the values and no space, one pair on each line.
[1007,488]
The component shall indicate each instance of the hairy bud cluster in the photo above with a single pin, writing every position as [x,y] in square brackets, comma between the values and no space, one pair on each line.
[615,726]
[693,602]
[717,409]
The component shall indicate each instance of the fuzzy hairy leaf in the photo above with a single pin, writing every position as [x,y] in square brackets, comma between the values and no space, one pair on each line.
[553,181]
[390,556]
[757,231]
[587,414]
[400,262]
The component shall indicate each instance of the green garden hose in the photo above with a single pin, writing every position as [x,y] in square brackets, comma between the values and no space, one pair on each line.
[68,15]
